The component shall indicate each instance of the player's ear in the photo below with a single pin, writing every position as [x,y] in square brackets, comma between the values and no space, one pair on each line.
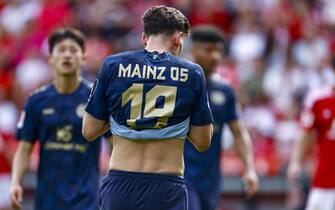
[177,42]
[144,40]
[177,38]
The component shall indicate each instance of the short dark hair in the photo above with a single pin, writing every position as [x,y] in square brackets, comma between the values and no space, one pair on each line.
[207,33]
[66,33]
[166,20]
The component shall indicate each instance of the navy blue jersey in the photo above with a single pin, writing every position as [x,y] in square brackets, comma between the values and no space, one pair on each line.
[150,95]
[203,169]
[68,169]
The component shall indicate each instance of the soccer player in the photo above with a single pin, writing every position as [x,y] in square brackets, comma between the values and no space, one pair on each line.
[68,170]
[318,121]
[202,170]
[151,99]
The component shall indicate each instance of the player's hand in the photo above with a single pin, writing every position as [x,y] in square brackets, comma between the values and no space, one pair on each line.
[293,172]
[250,180]
[16,196]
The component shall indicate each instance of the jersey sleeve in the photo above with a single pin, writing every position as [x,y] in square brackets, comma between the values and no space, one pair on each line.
[97,103]
[201,113]
[232,106]
[27,127]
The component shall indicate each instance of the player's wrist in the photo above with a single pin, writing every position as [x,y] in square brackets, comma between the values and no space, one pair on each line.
[250,172]
[295,164]
[15,182]
[249,168]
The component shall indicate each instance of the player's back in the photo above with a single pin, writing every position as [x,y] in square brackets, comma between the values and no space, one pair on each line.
[151,98]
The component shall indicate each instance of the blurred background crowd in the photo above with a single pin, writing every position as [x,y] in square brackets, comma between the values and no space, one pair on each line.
[276,51]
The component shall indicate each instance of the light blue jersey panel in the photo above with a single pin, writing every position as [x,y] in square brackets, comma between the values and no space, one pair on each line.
[178,131]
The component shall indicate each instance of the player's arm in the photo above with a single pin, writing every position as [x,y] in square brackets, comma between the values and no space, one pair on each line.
[242,141]
[96,116]
[19,168]
[201,128]
[27,132]
[93,127]
[243,148]
[200,136]
[307,122]
[297,157]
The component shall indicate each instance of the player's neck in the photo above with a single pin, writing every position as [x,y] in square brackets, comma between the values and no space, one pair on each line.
[66,84]
[158,44]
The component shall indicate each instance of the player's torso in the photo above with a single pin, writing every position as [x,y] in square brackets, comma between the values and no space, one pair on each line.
[60,116]
[59,124]
[150,97]
[219,96]
[68,167]
[324,113]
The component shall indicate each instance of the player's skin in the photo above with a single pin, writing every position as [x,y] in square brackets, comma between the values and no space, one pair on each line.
[151,156]
[207,55]
[295,165]
[65,60]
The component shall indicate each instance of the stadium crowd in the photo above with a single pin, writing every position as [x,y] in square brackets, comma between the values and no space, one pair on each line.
[276,52]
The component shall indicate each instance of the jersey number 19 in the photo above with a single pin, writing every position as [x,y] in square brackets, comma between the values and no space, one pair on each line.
[135,94]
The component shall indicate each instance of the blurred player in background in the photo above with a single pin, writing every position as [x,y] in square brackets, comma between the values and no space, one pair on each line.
[68,170]
[152,99]
[318,121]
[202,170]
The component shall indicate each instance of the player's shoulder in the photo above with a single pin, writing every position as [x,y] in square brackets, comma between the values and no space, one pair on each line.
[122,56]
[219,83]
[318,96]
[38,95]
[186,63]
[41,92]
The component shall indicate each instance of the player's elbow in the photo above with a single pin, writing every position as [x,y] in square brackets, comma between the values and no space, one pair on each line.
[90,127]
[200,136]
[88,133]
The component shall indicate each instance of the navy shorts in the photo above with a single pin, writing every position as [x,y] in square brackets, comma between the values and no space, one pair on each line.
[198,200]
[123,190]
